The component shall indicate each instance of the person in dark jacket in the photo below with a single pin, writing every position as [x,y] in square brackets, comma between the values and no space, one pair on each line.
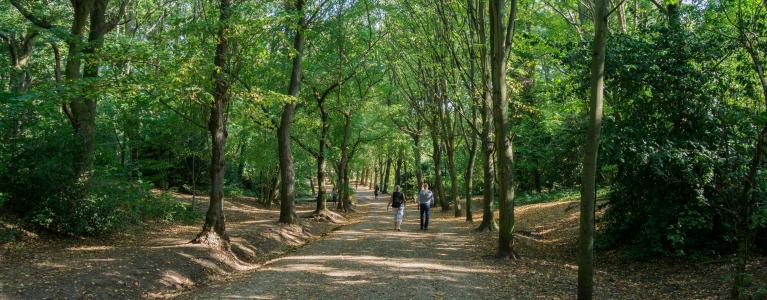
[397,203]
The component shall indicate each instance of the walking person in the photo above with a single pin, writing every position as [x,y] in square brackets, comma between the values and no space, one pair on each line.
[375,191]
[425,201]
[397,203]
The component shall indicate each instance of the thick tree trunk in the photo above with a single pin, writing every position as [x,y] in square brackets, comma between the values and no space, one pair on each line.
[591,152]
[287,173]
[81,120]
[504,149]
[214,229]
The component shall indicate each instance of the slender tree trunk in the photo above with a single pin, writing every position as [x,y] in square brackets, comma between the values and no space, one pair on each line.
[417,157]
[437,155]
[621,10]
[591,152]
[274,188]
[745,205]
[19,52]
[486,144]
[385,179]
[469,175]
[214,229]
[287,185]
[321,197]
[453,180]
[504,147]
[398,170]
[376,167]
[343,169]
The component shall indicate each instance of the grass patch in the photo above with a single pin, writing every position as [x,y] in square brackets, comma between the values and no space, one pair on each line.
[526,198]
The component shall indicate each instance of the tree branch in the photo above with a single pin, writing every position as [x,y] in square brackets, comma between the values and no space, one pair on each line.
[40,22]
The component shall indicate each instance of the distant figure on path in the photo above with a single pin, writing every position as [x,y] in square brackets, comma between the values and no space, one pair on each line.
[397,202]
[375,191]
[425,201]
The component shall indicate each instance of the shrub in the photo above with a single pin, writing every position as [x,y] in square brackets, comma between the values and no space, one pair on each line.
[110,206]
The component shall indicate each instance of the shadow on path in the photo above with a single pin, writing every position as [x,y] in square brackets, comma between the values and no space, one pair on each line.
[369,260]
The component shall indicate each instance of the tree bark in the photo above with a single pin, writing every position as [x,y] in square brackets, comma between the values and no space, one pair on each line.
[19,52]
[469,175]
[376,167]
[398,170]
[214,229]
[621,10]
[343,170]
[486,140]
[744,206]
[591,152]
[385,179]
[417,156]
[287,172]
[499,38]
[321,198]
[437,156]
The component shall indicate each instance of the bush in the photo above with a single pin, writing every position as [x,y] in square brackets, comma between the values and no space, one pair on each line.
[110,206]
[681,145]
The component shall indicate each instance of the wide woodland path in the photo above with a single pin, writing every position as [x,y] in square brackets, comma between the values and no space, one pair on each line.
[368,260]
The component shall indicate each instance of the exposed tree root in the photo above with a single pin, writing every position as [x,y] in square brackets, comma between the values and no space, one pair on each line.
[326,216]
[212,239]
[487,226]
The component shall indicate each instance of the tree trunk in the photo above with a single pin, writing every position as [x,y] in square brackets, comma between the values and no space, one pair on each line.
[469,175]
[214,229]
[591,152]
[621,10]
[417,157]
[343,170]
[745,205]
[274,188]
[486,144]
[376,167]
[504,147]
[321,198]
[453,180]
[287,173]
[437,155]
[398,170]
[385,179]
[19,52]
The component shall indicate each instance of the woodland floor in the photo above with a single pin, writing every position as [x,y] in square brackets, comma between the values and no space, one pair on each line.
[362,260]
[151,261]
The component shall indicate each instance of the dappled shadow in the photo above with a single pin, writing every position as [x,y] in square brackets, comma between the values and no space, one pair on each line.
[370,260]
[154,260]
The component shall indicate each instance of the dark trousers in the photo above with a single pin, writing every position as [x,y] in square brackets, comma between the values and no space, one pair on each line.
[424,212]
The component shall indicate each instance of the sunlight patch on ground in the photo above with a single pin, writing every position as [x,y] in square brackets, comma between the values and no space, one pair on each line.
[50,265]
[90,248]
[397,263]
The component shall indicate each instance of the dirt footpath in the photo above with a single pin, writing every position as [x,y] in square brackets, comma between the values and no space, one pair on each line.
[368,260]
